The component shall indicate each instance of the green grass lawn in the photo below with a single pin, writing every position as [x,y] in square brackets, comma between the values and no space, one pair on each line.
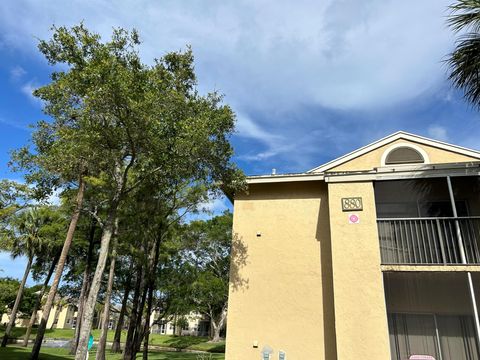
[178,342]
[19,353]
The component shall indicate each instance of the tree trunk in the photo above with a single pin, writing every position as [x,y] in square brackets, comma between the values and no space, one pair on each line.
[151,285]
[146,331]
[13,314]
[85,286]
[106,311]
[81,304]
[174,324]
[38,301]
[89,309]
[132,321]
[217,326]
[140,326]
[58,273]
[107,233]
[121,317]
[98,325]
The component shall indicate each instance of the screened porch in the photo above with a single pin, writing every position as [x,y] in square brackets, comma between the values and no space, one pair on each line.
[431,314]
[429,221]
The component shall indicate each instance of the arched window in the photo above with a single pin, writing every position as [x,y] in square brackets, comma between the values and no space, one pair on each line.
[404,155]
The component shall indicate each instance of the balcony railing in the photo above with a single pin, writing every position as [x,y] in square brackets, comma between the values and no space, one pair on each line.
[429,240]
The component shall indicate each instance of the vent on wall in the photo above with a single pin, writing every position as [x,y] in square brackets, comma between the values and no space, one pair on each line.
[404,155]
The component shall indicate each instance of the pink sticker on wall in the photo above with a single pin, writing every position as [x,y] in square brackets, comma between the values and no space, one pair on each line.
[353,219]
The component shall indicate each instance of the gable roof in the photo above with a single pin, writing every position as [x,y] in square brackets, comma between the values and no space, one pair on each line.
[389,139]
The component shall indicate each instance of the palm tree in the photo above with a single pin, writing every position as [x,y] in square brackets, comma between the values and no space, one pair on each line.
[25,241]
[53,229]
[464,61]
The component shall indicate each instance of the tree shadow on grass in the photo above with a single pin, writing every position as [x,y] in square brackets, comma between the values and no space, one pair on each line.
[188,342]
[215,348]
[180,356]
[181,342]
[17,332]
[20,353]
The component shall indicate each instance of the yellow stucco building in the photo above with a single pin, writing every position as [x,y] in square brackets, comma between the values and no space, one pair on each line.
[61,317]
[372,256]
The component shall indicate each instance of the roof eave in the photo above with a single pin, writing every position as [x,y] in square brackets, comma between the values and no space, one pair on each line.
[388,139]
[268,179]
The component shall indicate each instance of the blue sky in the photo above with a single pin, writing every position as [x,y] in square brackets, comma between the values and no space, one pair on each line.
[308,80]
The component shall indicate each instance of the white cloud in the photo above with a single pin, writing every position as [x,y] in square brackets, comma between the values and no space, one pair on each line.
[247,128]
[17,72]
[275,57]
[438,132]
[274,143]
[27,89]
[270,54]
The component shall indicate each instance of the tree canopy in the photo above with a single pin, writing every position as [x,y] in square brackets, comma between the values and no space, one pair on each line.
[134,147]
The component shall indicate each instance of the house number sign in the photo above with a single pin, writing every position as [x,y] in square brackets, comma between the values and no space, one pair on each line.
[352,204]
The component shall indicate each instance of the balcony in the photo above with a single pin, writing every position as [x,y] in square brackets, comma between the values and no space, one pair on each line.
[431,313]
[419,241]
[429,221]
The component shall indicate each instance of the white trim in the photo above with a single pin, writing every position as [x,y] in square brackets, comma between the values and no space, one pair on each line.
[388,139]
[407,172]
[283,178]
[426,159]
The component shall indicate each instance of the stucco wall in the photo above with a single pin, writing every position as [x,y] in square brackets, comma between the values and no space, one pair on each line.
[20,322]
[373,158]
[360,312]
[66,312]
[281,286]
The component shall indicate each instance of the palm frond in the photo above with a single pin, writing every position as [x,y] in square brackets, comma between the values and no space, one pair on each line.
[465,15]
[464,64]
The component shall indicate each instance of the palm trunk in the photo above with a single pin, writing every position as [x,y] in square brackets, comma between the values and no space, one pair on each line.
[121,317]
[13,314]
[85,287]
[58,273]
[106,311]
[26,338]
